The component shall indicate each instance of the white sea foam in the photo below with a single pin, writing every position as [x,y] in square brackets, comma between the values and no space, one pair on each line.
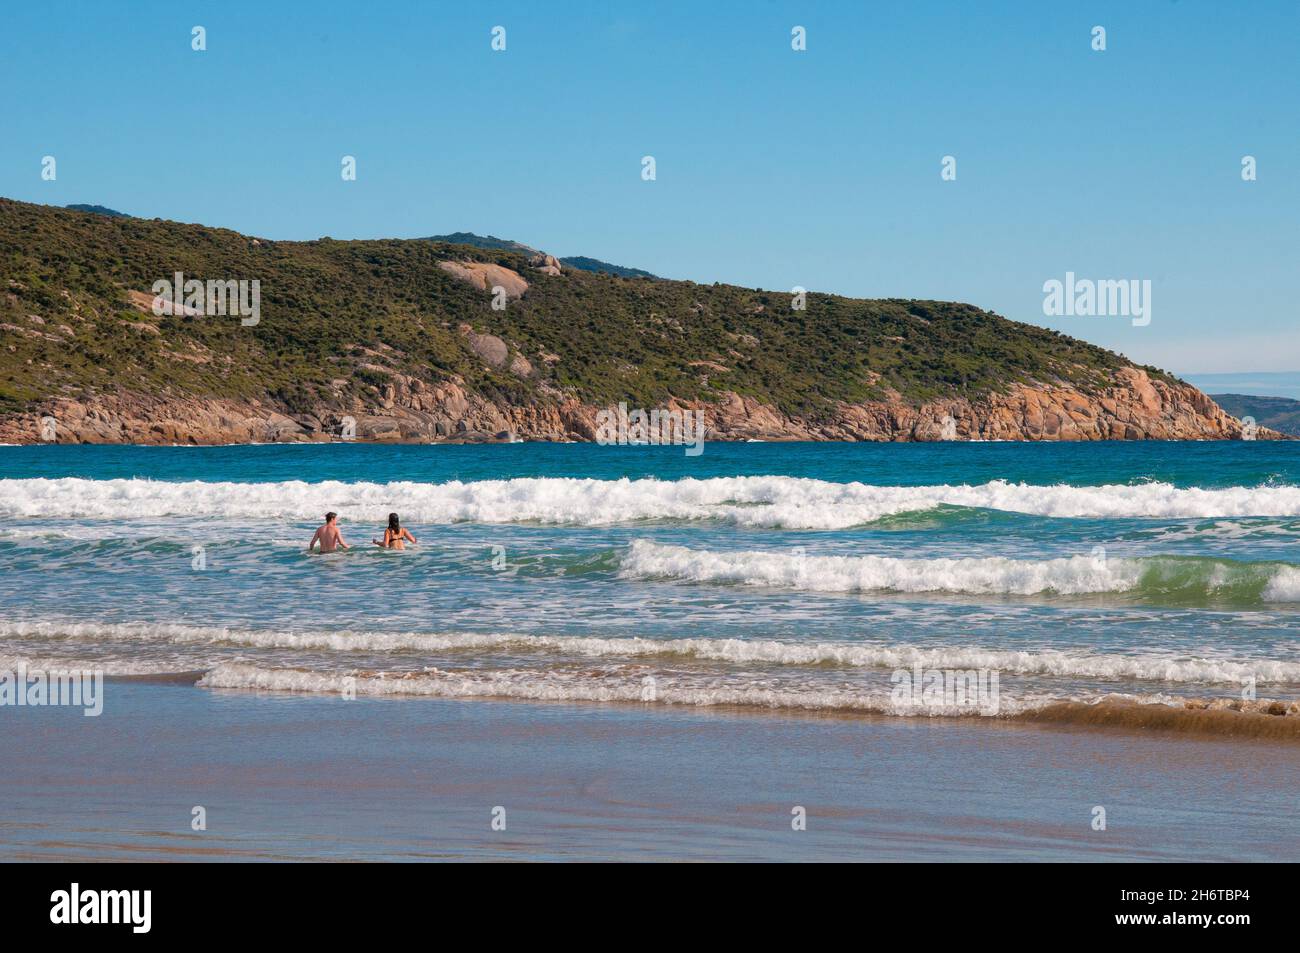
[1284,586]
[989,575]
[763,501]
[630,687]
[994,575]
[609,685]
[1077,664]
[331,641]
[71,663]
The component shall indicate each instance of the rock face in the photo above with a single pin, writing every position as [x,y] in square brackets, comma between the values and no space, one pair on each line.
[134,418]
[490,348]
[1134,407]
[546,264]
[486,276]
[409,409]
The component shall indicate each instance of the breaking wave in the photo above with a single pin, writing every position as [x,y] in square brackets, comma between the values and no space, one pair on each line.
[766,501]
[1264,719]
[588,685]
[1077,664]
[1183,577]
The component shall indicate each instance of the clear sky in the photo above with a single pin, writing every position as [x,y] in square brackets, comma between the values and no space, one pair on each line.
[775,168]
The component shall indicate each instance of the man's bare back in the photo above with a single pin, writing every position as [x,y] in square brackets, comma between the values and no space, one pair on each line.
[328,536]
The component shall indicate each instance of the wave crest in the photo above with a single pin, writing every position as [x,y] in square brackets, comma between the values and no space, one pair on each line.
[765,501]
[1052,662]
[1152,576]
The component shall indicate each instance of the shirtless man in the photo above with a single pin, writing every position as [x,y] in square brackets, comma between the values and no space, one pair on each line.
[328,536]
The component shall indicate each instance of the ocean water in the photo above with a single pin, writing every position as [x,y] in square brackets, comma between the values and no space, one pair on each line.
[792,577]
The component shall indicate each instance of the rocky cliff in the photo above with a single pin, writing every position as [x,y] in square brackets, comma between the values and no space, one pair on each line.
[411,410]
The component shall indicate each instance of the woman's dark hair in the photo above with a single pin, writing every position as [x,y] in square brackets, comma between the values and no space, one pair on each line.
[393,525]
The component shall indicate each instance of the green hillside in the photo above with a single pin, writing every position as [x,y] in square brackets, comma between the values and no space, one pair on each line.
[356,310]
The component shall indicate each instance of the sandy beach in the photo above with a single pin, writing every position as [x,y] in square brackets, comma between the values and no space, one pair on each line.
[318,778]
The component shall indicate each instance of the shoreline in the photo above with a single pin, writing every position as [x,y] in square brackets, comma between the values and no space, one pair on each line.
[1197,719]
[487,440]
[1132,406]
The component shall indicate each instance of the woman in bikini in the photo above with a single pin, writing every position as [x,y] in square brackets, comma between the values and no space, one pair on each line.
[395,537]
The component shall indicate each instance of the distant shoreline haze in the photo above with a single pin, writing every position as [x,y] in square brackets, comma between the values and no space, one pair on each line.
[1261,384]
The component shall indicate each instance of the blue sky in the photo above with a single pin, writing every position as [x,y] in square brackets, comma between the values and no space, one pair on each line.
[774,168]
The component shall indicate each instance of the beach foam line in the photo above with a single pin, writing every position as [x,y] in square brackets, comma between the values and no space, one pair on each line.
[1177,576]
[331,641]
[110,668]
[1278,720]
[585,685]
[1076,664]
[763,501]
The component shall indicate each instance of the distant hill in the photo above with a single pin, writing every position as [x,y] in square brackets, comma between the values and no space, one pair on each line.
[593,264]
[98,210]
[409,340]
[1277,413]
[581,262]
[481,241]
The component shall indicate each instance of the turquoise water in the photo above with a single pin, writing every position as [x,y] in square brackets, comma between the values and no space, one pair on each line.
[788,576]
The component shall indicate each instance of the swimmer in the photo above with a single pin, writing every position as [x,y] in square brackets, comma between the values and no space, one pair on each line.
[395,537]
[328,536]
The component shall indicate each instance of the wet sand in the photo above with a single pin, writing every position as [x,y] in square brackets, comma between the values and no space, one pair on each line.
[319,778]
